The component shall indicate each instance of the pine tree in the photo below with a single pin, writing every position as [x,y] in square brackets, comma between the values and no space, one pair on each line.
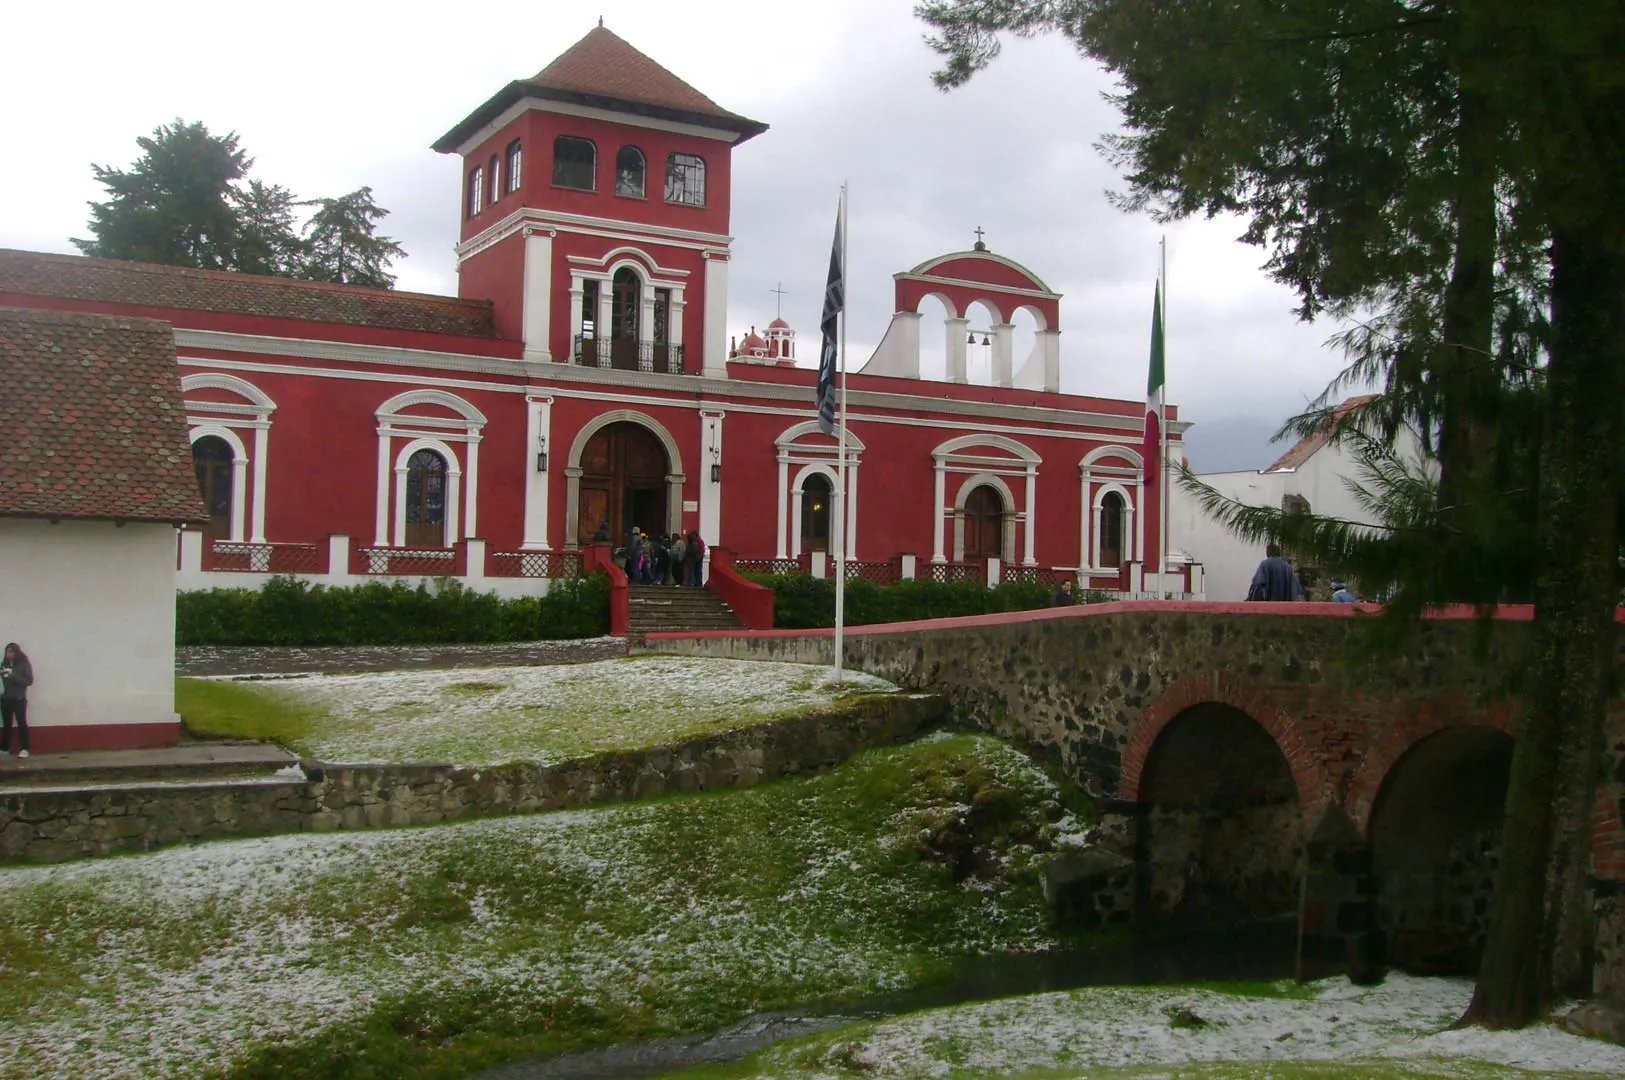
[341,245]
[175,204]
[268,240]
[1453,166]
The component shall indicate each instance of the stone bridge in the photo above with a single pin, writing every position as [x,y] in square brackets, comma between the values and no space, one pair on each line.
[1253,762]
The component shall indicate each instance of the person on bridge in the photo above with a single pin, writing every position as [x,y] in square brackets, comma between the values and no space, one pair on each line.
[1063,595]
[1275,579]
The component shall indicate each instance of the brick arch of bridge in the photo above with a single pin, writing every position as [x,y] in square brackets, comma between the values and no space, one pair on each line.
[1215,687]
[1418,721]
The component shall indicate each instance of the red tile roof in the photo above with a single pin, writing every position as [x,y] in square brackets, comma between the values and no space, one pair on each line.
[605,65]
[75,277]
[1307,446]
[91,420]
[603,70]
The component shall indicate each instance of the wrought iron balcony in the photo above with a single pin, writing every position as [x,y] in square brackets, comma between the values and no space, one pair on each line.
[623,355]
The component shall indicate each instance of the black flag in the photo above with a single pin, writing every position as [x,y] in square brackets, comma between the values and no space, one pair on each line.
[834,304]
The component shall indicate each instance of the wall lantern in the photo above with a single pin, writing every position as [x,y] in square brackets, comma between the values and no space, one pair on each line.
[716,459]
[541,453]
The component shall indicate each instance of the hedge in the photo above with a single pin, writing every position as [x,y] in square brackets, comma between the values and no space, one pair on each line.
[801,602]
[289,611]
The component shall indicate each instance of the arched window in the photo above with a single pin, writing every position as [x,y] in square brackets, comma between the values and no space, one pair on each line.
[515,160]
[575,163]
[629,172]
[494,168]
[685,180]
[426,500]
[1111,530]
[625,318]
[476,190]
[815,501]
[212,460]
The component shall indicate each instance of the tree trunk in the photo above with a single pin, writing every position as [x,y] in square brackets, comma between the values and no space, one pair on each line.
[1465,368]
[1536,943]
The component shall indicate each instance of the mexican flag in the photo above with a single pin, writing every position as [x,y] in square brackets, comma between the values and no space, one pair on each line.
[1154,395]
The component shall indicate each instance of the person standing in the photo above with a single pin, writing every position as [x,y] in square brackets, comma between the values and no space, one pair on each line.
[634,556]
[1275,579]
[696,559]
[1063,595]
[16,676]
[679,565]
[1341,594]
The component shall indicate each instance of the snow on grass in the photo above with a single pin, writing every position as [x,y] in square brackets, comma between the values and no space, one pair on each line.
[1113,1031]
[182,961]
[479,716]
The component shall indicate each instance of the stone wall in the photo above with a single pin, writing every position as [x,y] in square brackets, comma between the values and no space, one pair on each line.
[51,825]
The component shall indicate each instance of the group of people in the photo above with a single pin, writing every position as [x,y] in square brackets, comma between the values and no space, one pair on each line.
[652,559]
[1276,580]
[16,676]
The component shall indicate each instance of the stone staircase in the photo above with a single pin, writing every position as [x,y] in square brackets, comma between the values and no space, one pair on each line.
[657,609]
[194,762]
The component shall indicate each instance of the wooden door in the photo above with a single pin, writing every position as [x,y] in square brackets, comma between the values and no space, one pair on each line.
[212,460]
[984,524]
[623,482]
[426,500]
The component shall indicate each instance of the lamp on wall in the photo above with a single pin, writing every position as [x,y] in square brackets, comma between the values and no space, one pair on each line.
[716,459]
[541,453]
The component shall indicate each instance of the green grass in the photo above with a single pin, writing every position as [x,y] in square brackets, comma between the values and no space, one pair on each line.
[1369,1069]
[434,952]
[214,709]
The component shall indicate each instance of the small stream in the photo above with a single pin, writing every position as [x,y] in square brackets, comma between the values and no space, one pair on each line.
[1261,952]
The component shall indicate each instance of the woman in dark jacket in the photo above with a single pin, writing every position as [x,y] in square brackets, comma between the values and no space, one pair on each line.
[16,676]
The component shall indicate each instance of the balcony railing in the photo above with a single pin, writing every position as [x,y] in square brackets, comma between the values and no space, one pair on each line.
[622,355]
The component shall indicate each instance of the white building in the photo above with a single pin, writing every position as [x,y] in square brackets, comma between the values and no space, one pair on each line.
[1313,476]
[95,475]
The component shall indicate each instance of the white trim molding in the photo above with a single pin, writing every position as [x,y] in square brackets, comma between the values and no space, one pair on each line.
[436,433]
[1110,469]
[454,482]
[956,456]
[258,405]
[793,450]
[1008,518]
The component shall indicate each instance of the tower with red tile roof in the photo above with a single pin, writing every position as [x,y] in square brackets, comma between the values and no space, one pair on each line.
[595,207]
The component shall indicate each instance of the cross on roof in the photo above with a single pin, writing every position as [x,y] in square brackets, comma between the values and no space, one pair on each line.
[978,234]
[780,290]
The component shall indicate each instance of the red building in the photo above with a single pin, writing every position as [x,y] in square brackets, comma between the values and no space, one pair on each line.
[584,375]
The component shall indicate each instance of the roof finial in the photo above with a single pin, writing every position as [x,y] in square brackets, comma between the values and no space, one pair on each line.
[979,245]
[600,21]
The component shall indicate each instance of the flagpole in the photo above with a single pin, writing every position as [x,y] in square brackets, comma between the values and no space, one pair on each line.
[1162,568]
[840,468]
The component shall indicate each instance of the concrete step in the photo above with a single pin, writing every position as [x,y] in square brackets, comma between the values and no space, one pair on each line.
[225,760]
[663,608]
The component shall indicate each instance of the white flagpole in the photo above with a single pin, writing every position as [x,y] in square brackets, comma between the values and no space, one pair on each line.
[840,466]
[1162,407]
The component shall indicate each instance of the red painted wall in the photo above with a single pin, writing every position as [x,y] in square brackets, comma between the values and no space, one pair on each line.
[537,129]
[497,274]
[909,293]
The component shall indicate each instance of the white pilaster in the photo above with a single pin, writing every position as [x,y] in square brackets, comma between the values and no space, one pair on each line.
[955,331]
[191,552]
[715,328]
[851,509]
[1050,342]
[936,515]
[711,491]
[783,548]
[262,451]
[1003,365]
[578,289]
[604,331]
[795,521]
[538,310]
[399,530]
[472,491]
[910,567]
[538,432]
[454,495]
[674,333]
[1032,514]
[380,534]
[239,496]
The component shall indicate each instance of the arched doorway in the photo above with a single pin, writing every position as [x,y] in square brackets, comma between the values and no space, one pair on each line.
[1221,832]
[984,524]
[426,500]
[212,461]
[625,318]
[623,482]
[815,512]
[1435,843]
[1112,520]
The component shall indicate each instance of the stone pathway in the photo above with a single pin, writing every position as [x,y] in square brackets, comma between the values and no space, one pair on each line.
[253,661]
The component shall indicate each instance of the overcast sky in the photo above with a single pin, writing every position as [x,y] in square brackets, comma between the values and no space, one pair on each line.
[330,96]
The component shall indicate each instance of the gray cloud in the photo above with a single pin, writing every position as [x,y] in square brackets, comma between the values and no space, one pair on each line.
[845,86]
